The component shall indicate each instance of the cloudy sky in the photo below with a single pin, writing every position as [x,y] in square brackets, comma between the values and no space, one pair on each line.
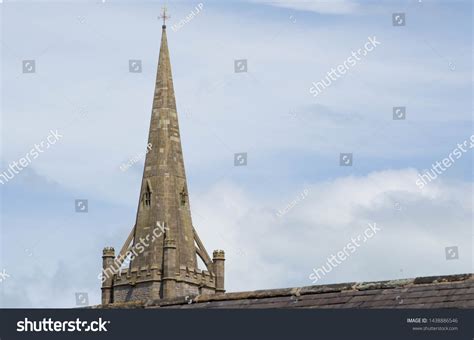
[293,205]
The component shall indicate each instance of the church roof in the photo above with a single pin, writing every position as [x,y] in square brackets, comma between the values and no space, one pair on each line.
[450,291]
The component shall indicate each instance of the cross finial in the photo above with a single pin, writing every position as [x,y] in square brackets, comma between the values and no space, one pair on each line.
[164,16]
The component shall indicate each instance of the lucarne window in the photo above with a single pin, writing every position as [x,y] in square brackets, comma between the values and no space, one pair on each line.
[147,198]
[184,196]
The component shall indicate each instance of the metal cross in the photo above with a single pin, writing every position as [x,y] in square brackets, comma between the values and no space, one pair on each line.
[164,16]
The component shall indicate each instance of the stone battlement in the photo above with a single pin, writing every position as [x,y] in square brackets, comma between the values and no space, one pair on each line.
[193,276]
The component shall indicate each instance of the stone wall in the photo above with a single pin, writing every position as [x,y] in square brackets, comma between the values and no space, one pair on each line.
[143,291]
[191,282]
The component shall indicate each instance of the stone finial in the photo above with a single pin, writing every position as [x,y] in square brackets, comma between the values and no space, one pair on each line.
[108,252]
[218,255]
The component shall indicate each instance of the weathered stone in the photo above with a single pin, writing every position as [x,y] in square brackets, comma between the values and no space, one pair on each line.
[164,262]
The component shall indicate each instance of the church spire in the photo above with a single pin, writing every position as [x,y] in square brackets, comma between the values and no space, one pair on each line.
[164,172]
[163,246]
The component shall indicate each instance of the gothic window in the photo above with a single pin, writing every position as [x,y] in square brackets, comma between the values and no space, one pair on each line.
[184,195]
[147,196]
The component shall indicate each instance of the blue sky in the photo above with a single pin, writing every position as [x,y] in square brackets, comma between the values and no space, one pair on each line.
[83,88]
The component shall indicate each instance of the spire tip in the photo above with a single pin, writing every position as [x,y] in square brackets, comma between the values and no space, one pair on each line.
[164,16]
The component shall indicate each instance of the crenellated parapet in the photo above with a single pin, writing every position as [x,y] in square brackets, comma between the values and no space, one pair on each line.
[132,276]
[197,277]
[186,275]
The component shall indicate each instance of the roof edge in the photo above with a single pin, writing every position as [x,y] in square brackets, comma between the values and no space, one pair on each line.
[298,291]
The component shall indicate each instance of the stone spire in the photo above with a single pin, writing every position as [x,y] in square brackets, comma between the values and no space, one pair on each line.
[164,191]
[163,245]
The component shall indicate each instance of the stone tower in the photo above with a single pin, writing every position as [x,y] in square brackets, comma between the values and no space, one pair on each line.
[163,246]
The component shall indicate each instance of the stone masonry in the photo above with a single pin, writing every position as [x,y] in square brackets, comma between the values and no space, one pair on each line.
[162,264]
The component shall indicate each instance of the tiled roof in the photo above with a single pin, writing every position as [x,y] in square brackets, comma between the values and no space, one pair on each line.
[451,291]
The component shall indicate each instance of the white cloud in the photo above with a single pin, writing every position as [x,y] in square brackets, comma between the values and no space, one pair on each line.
[324,7]
[265,251]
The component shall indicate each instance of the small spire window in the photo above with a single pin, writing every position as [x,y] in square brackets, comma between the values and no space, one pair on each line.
[184,196]
[147,196]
